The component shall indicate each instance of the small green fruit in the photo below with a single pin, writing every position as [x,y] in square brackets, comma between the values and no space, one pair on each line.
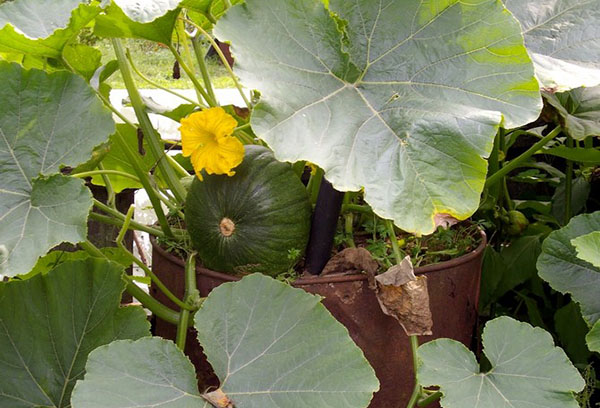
[517,222]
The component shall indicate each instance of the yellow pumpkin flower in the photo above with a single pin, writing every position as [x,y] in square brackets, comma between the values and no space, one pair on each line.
[206,137]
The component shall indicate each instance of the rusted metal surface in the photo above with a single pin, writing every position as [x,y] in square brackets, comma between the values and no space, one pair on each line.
[453,292]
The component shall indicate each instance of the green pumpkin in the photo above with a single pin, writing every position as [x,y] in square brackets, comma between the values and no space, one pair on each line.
[249,222]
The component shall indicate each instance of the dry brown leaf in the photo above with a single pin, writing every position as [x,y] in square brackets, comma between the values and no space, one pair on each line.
[444,220]
[351,260]
[404,296]
[218,399]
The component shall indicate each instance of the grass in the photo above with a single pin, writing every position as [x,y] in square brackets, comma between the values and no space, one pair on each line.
[156,62]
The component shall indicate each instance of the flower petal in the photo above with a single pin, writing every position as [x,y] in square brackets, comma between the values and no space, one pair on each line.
[205,136]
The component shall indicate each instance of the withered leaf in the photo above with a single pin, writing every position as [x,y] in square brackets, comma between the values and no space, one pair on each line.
[351,260]
[404,296]
[218,399]
[444,220]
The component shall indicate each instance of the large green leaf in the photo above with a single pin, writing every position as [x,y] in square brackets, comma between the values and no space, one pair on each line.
[563,37]
[560,266]
[149,372]
[115,23]
[527,370]
[271,345]
[46,121]
[276,346]
[579,110]
[405,102]
[51,322]
[42,27]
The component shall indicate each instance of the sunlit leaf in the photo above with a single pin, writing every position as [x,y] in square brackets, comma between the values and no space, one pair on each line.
[405,102]
[588,247]
[83,59]
[115,23]
[42,27]
[46,121]
[202,12]
[563,37]
[148,10]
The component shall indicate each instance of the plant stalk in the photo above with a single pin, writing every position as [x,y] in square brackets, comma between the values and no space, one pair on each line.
[348,222]
[110,191]
[192,77]
[191,292]
[200,57]
[120,220]
[91,249]
[394,241]
[517,161]
[158,309]
[103,172]
[365,209]
[156,85]
[182,328]
[568,184]
[414,345]
[178,167]
[314,185]
[187,57]
[224,61]
[147,184]
[146,125]
[114,110]
[155,279]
